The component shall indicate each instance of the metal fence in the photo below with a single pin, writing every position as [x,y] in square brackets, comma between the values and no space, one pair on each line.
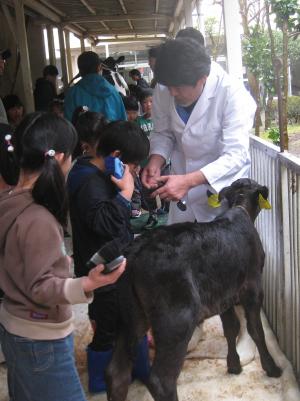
[279,231]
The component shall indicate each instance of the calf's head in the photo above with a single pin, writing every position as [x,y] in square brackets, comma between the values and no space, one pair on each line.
[247,194]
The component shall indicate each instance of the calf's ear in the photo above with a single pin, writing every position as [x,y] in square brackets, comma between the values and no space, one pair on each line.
[263,193]
[213,199]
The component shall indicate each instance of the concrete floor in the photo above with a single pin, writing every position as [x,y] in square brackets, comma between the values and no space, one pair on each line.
[203,378]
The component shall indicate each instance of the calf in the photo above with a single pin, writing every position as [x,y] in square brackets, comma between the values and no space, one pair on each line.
[181,274]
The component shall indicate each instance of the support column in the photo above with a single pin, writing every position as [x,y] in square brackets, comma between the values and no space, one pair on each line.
[106,50]
[188,13]
[233,38]
[11,23]
[200,18]
[82,46]
[25,64]
[63,59]
[51,47]
[69,56]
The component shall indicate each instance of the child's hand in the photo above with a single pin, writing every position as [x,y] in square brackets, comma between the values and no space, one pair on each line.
[96,279]
[125,184]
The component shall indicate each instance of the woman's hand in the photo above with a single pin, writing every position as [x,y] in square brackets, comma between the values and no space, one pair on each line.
[96,279]
[125,184]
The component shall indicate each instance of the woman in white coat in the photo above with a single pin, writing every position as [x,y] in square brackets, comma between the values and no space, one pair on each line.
[202,118]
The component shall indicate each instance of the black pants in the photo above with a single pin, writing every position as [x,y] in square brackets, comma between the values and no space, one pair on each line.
[106,312]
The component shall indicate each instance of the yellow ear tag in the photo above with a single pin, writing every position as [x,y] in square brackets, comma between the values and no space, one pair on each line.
[263,203]
[213,200]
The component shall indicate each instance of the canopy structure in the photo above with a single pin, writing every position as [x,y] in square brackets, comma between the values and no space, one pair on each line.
[110,21]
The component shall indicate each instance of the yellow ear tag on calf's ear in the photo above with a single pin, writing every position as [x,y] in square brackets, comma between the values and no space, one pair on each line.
[263,203]
[213,200]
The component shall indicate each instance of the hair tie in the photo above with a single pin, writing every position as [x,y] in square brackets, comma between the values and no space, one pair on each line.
[50,153]
[84,110]
[10,147]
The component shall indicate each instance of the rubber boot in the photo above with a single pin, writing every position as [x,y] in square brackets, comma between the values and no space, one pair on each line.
[141,368]
[97,363]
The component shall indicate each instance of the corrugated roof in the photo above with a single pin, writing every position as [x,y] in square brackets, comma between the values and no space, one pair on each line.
[91,18]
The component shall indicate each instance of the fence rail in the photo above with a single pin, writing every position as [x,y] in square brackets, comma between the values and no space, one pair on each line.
[279,231]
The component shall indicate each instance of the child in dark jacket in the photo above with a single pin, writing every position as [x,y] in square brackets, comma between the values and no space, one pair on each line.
[100,216]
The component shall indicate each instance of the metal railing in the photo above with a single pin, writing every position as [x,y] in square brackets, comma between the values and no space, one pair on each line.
[279,231]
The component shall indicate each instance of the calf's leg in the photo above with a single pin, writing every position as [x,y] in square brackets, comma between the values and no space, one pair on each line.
[255,329]
[171,336]
[231,327]
[118,373]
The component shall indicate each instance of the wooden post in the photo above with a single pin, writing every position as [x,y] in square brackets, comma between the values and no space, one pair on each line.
[10,21]
[51,47]
[82,46]
[69,56]
[63,59]
[25,63]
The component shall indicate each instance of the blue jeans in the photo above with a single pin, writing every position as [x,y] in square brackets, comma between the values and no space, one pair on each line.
[41,370]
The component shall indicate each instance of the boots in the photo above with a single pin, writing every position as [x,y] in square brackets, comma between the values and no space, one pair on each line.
[97,363]
[141,368]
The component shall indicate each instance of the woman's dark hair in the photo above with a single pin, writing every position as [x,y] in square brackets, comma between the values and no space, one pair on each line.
[130,103]
[37,134]
[128,138]
[144,93]
[181,61]
[9,168]
[88,63]
[89,126]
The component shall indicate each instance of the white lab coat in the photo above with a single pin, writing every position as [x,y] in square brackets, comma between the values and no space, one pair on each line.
[215,139]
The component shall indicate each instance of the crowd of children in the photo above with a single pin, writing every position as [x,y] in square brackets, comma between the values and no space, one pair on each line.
[36,153]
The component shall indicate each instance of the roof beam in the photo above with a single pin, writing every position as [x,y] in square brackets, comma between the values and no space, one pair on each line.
[123,6]
[43,10]
[86,4]
[125,32]
[132,17]
[177,12]
[53,8]
[156,12]
[130,40]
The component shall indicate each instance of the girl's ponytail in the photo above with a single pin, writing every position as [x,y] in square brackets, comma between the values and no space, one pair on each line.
[39,137]
[49,190]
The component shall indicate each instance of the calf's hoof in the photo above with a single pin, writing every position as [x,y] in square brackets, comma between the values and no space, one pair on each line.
[274,372]
[234,370]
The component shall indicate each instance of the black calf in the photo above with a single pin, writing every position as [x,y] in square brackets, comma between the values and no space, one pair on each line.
[179,275]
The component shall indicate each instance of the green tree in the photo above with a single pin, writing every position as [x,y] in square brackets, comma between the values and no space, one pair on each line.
[213,32]
[287,19]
